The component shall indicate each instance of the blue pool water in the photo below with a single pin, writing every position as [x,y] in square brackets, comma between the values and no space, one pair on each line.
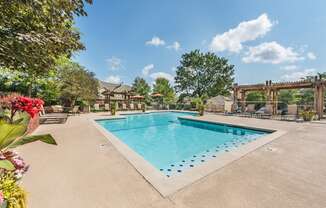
[173,144]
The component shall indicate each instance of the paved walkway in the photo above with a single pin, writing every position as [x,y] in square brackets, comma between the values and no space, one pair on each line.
[85,171]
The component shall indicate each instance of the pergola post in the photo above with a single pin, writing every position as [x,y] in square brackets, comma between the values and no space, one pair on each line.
[243,100]
[275,101]
[322,101]
[235,98]
[319,100]
[319,97]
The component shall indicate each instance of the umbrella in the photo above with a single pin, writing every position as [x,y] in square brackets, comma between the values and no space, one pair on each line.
[157,95]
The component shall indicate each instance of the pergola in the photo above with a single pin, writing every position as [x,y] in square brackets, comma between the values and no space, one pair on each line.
[110,94]
[272,90]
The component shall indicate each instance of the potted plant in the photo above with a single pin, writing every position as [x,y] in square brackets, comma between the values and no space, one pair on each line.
[200,106]
[113,108]
[308,115]
[201,109]
[143,107]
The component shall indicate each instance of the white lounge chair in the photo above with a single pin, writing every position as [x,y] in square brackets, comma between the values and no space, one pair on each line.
[132,107]
[107,107]
[124,106]
[97,107]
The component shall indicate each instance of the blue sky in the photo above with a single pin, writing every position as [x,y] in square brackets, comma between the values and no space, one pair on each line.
[277,40]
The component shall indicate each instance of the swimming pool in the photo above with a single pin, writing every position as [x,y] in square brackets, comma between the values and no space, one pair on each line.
[173,144]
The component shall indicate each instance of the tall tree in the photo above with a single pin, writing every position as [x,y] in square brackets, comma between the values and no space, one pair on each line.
[45,87]
[257,98]
[163,87]
[33,34]
[77,83]
[289,96]
[204,74]
[141,87]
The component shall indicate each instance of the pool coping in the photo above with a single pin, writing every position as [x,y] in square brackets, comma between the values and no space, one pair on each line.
[167,186]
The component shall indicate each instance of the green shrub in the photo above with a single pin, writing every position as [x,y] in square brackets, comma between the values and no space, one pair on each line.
[179,106]
[187,107]
[308,115]
[113,108]
[14,195]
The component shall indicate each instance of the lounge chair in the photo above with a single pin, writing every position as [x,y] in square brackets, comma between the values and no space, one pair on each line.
[53,118]
[124,106]
[228,107]
[97,107]
[139,106]
[131,106]
[292,113]
[57,108]
[264,112]
[74,110]
[107,107]
[249,111]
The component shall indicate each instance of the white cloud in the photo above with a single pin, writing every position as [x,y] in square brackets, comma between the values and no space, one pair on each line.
[114,63]
[271,52]
[289,67]
[162,75]
[115,79]
[311,56]
[147,69]
[297,75]
[176,46]
[156,41]
[246,31]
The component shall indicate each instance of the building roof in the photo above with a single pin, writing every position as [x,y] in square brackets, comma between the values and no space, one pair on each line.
[114,87]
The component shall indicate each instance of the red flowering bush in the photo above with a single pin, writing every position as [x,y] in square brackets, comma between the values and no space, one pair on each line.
[15,103]
[29,105]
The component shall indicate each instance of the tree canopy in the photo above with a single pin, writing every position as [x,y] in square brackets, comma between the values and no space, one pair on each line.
[141,87]
[33,34]
[163,87]
[204,74]
[77,83]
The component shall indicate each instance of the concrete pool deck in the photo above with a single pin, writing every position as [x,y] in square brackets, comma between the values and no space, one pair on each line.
[85,170]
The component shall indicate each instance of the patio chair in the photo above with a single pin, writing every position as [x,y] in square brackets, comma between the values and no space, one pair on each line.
[107,107]
[249,111]
[228,107]
[74,110]
[264,112]
[124,106]
[292,113]
[97,107]
[57,108]
[139,106]
[132,107]
[52,118]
